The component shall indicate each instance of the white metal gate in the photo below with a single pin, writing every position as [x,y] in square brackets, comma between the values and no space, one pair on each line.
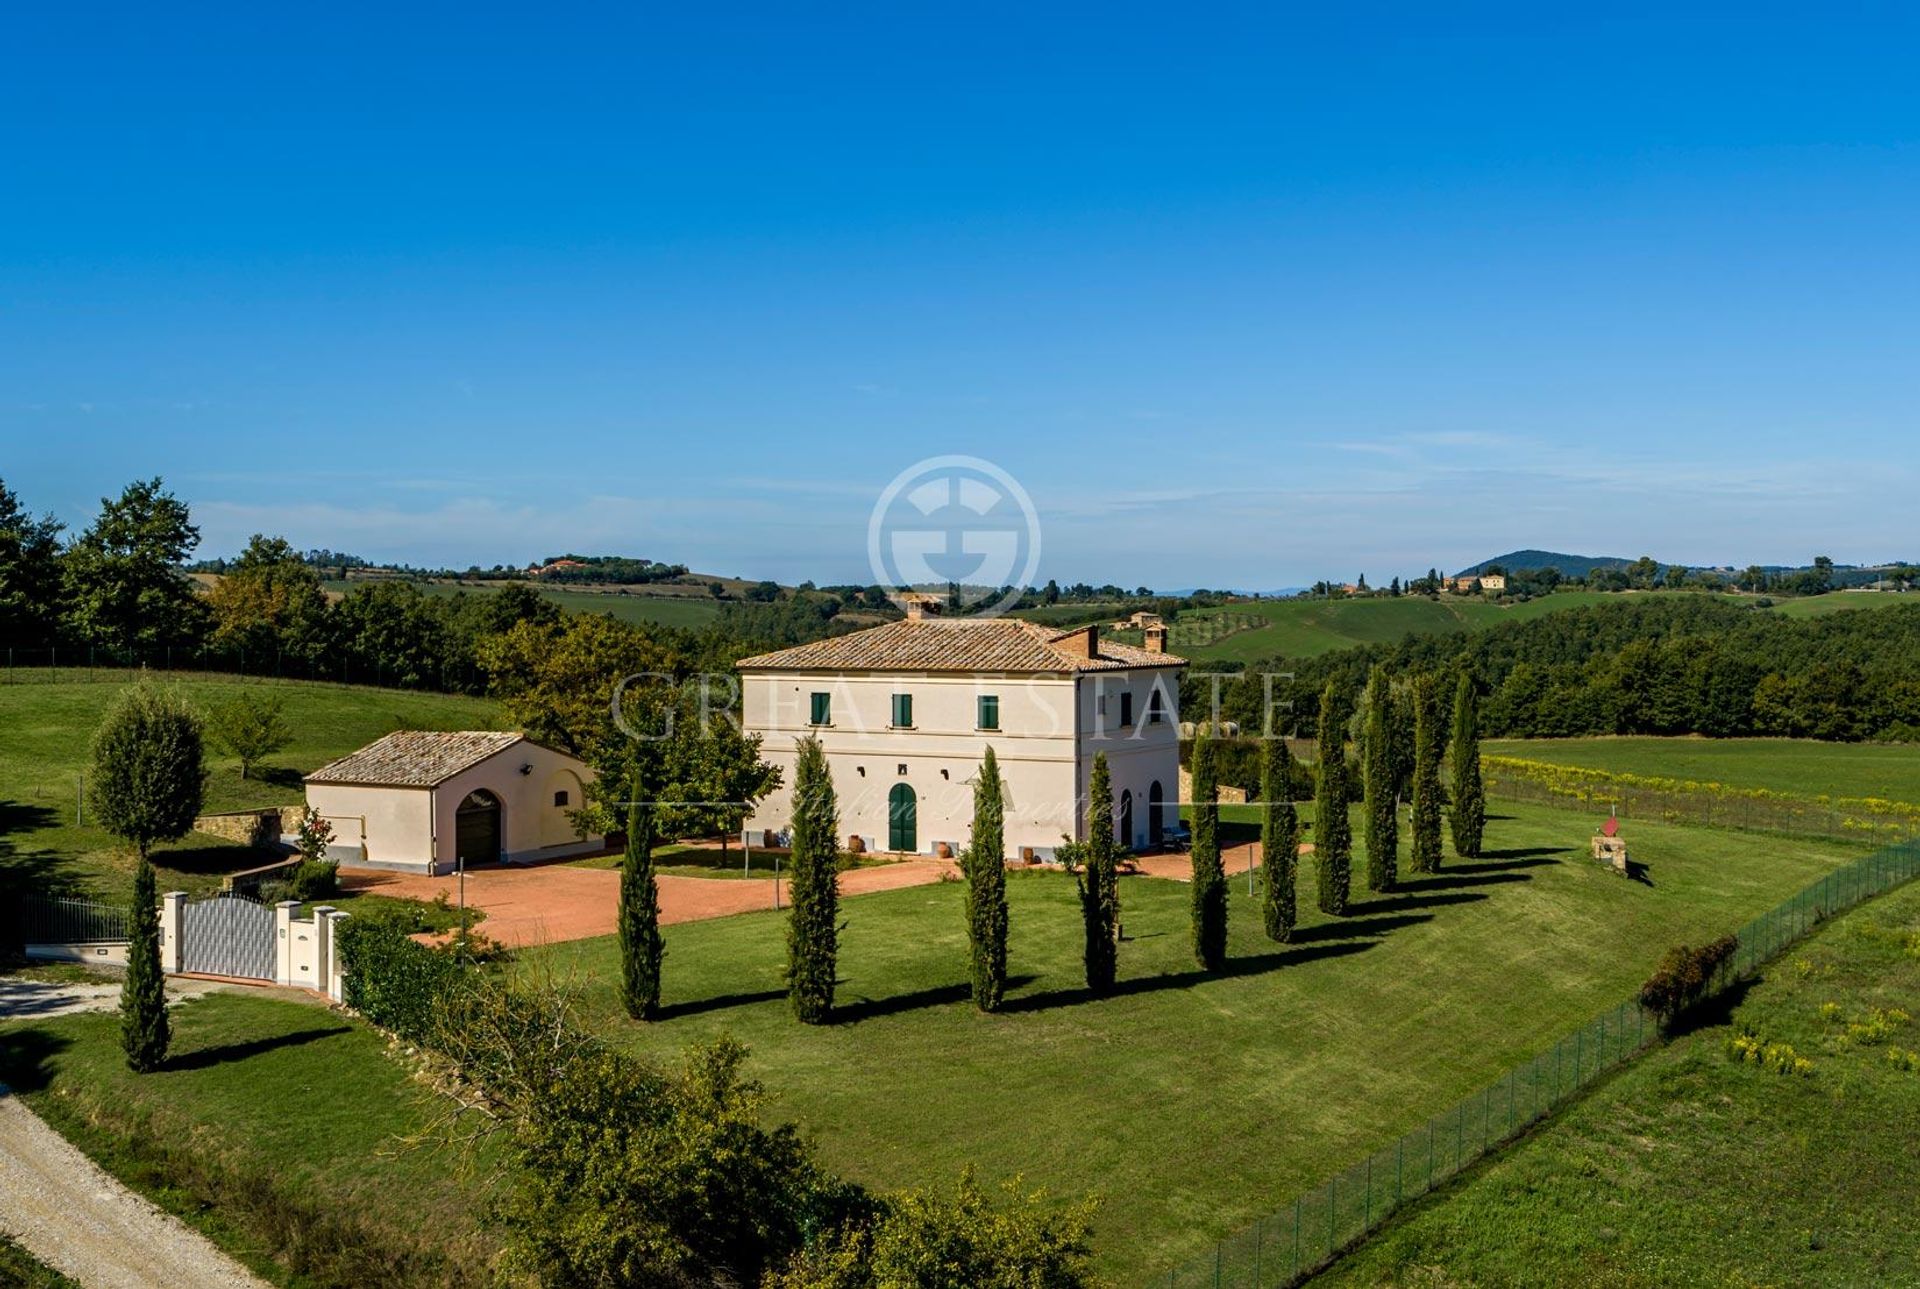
[228,935]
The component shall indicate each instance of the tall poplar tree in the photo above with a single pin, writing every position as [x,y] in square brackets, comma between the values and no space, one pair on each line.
[641,947]
[813,924]
[1469,793]
[1209,890]
[1426,776]
[144,1030]
[1380,784]
[1279,841]
[1332,831]
[1099,905]
[986,869]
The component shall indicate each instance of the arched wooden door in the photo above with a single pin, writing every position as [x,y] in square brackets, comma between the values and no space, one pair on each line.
[476,828]
[903,819]
[1126,817]
[1156,823]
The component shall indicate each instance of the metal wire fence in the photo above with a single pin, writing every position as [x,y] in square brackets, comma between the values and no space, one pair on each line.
[1305,1236]
[54,920]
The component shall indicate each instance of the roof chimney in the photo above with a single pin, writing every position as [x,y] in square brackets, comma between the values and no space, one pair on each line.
[1082,642]
[919,605]
[1156,638]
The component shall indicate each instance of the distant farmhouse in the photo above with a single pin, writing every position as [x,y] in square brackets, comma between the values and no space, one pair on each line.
[905,712]
[1491,582]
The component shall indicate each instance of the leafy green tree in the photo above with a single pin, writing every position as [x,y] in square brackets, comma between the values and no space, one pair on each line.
[641,948]
[1279,840]
[1469,793]
[144,1031]
[1332,832]
[148,775]
[29,573]
[250,726]
[122,585]
[1426,777]
[1099,886]
[268,604]
[1382,801]
[813,924]
[986,869]
[1209,889]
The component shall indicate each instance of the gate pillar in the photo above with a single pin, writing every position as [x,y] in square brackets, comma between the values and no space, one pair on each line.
[171,906]
[283,942]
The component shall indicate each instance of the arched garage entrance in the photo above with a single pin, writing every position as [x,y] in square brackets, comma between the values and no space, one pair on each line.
[476,828]
[903,819]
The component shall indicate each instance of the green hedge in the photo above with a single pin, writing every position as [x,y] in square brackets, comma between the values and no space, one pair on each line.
[395,982]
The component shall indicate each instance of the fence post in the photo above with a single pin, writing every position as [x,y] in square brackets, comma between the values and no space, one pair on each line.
[172,905]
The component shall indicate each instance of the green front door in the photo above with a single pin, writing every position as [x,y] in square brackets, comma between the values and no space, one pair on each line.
[903,819]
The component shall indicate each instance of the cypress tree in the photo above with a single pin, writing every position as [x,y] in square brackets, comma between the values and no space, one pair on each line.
[813,924]
[1209,877]
[1426,777]
[1332,832]
[1279,841]
[144,1031]
[1099,907]
[641,947]
[986,869]
[1382,791]
[1469,793]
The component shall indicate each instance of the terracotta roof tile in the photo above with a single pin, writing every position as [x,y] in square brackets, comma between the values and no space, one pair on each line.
[956,644]
[415,758]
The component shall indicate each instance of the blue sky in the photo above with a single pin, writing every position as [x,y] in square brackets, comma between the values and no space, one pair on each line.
[1242,296]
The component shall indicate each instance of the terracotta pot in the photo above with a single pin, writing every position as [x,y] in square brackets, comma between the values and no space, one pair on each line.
[855,846]
[943,850]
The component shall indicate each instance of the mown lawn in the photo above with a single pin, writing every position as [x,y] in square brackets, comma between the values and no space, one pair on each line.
[1194,1104]
[49,728]
[290,1105]
[1803,767]
[1691,1168]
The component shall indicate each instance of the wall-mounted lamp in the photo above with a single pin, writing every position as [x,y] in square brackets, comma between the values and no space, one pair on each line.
[527,768]
[903,767]
[944,774]
[860,770]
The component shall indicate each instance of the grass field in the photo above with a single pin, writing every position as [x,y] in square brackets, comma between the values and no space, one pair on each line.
[49,727]
[1304,628]
[1691,1168]
[292,1105]
[1193,1104]
[1800,766]
[21,1270]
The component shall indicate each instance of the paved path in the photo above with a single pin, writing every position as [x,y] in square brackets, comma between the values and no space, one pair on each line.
[544,904]
[37,999]
[67,1212]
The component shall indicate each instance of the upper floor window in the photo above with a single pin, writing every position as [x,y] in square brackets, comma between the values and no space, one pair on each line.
[989,711]
[822,710]
[903,711]
[1154,712]
[1126,708]
[560,797]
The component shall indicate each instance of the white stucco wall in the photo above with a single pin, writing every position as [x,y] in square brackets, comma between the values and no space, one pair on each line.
[1049,732]
[415,828]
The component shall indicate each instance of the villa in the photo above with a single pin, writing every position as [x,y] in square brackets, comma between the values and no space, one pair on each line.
[906,711]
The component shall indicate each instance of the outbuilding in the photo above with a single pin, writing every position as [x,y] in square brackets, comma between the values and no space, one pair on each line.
[421,800]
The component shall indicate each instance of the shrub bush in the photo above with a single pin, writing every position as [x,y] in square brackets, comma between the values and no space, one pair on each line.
[1684,978]
[313,880]
[397,983]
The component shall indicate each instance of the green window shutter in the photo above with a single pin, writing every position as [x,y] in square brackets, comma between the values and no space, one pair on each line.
[1126,708]
[902,710]
[989,711]
[822,709]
